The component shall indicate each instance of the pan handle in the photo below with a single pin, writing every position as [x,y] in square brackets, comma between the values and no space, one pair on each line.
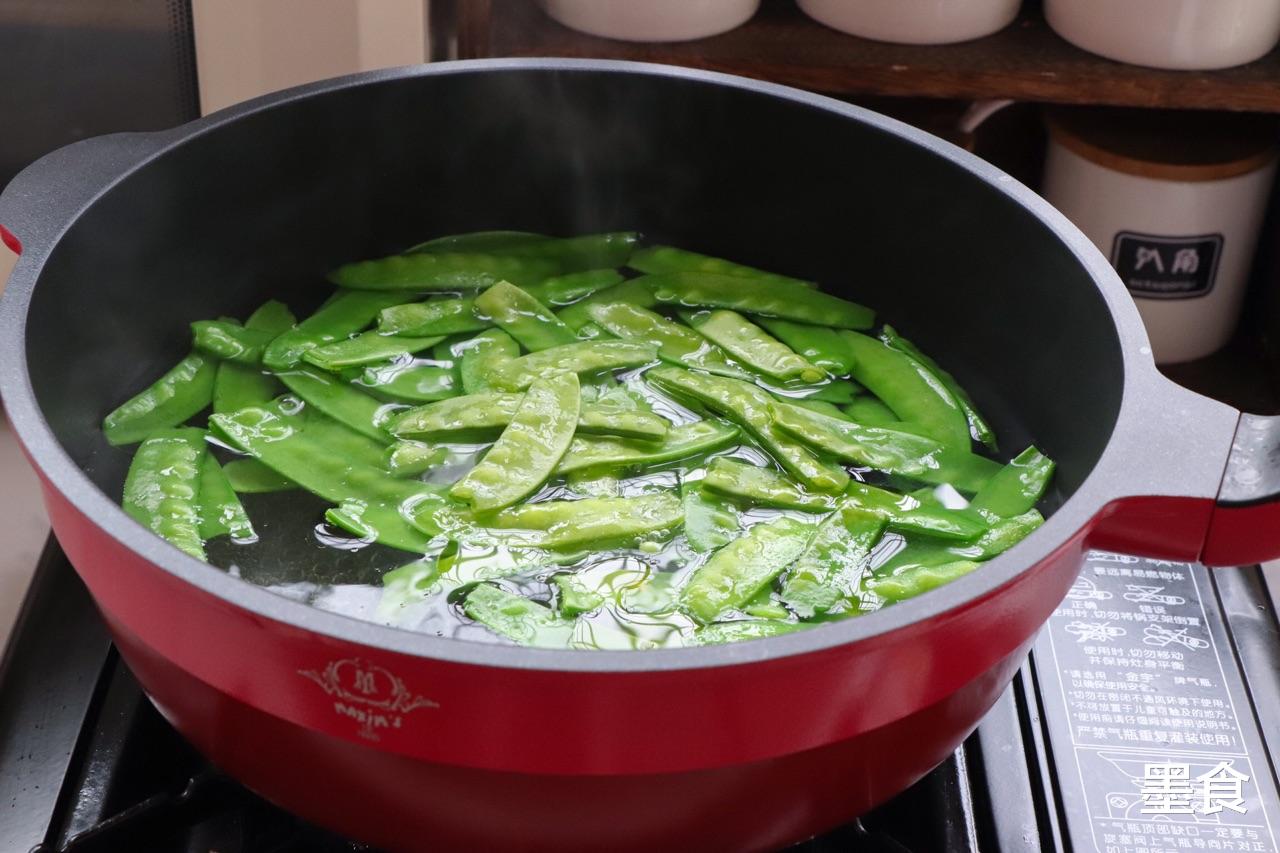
[1245,525]
[51,192]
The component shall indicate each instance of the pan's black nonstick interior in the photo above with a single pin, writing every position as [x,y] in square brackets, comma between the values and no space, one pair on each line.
[266,205]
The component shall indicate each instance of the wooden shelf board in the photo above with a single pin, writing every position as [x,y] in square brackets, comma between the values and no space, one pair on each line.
[1027,61]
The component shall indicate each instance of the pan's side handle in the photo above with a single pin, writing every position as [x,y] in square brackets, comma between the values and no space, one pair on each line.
[1245,525]
[39,202]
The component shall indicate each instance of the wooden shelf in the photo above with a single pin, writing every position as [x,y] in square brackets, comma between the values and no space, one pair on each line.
[1026,61]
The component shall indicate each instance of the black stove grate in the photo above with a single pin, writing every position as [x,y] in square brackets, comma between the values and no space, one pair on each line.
[87,765]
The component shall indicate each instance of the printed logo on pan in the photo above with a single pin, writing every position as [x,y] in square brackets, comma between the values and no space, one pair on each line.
[1154,267]
[367,693]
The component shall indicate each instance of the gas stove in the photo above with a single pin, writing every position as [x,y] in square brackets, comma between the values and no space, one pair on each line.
[1144,721]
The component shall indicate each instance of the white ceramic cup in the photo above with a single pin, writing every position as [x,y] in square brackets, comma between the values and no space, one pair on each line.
[1183,247]
[651,20]
[1180,34]
[915,21]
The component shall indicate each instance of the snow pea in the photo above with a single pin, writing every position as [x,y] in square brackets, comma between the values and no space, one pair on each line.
[457,314]
[683,442]
[919,579]
[633,292]
[346,313]
[339,400]
[587,252]
[871,412]
[761,486]
[839,392]
[597,419]
[240,385]
[885,449]
[411,383]
[1016,487]
[523,317]
[676,344]
[664,259]
[908,388]
[743,629]
[592,484]
[185,389]
[905,513]
[436,271]
[709,523]
[480,241]
[575,597]
[249,476]
[822,407]
[593,522]
[162,488]
[752,345]
[529,449]
[478,417]
[229,341]
[586,357]
[820,345]
[751,408]
[411,458]
[220,510]
[930,551]
[707,290]
[517,618]
[831,568]
[482,356]
[367,348]
[734,574]
[979,429]
[409,584]
[766,606]
[331,460]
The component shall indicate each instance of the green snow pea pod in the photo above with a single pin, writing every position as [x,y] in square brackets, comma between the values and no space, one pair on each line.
[239,385]
[230,341]
[752,345]
[908,388]
[905,513]
[676,344]
[523,317]
[734,574]
[162,488]
[632,292]
[409,584]
[484,242]
[917,580]
[762,486]
[517,618]
[346,313]
[411,383]
[184,390]
[709,523]
[1016,487]
[249,476]
[332,461]
[751,408]
[452,315]
[831,568]
[529,449]
[683,442]
[340,400]
[586,357]
[663,259]
[411,458]
[435,271]
[839,392]
[929,551]
[743,629]
[594,522]
[596,419]
[896,452]
[575,597]
[871,412]
[979,429]
[220,510]
[587,252]
[765,606]
[482,356]
[367,348]
[822,407]
[592,484]
[707,290]
[820,345]
[473,417]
